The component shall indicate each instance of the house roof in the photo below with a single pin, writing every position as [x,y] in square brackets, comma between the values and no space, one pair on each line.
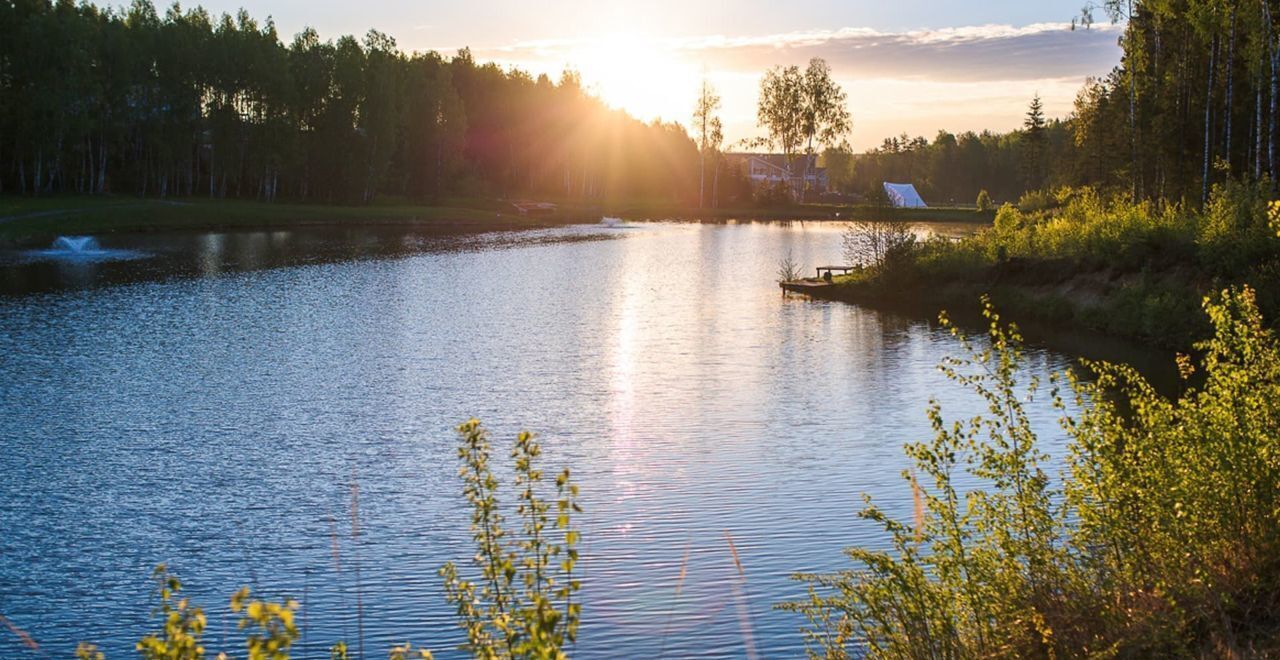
[779,162]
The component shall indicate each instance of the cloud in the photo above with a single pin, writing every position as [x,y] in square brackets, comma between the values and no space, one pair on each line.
[964,54]
[961,78]
[960,54]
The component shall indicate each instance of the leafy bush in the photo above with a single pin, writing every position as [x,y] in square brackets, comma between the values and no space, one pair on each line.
[1235,230]
[877,243]
[184,624]
[522,606]
[778,193]
[1161,538]
[1034,201]
[984,202]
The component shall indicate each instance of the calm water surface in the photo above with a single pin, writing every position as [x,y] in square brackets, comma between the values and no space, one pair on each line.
[212,401]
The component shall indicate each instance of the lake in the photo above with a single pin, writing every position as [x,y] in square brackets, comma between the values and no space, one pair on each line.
[213,401]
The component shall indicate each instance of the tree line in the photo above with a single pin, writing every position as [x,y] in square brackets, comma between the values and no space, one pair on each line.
[132,100]
[1195,101]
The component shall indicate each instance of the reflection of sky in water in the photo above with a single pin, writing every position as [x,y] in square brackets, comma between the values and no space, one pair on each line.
[216,423]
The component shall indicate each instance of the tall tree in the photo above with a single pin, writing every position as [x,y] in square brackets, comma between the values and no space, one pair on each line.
[802,110]
[780,110]
[707,132]
[826,112]
[1033,132]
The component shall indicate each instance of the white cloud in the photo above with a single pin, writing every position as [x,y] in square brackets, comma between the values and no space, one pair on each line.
[986,52]
[960,78]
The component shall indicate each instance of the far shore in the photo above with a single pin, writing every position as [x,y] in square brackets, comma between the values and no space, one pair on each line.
[33,220]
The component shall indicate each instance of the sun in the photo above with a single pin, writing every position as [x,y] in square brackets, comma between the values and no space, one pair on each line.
[637,73]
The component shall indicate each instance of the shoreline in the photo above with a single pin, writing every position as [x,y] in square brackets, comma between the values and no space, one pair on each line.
[1044,323]
[30,221]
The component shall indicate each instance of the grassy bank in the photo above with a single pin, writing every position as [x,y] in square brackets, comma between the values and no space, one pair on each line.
[1158,537]
[31,220]
[26,220]
[1130,270]
[659,211]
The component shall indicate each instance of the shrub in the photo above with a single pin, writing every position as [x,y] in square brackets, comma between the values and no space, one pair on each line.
[778,193]
[788,269]
[1235,230]
[522,604]
[184,624]
[1034,201]
[877,243]
[1161,539]
[984,202]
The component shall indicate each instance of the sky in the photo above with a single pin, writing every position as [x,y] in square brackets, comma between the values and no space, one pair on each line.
[908,66]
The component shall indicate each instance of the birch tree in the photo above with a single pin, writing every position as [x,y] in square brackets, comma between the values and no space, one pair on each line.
[706,126]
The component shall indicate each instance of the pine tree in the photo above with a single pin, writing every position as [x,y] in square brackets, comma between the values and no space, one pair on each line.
[1034,131]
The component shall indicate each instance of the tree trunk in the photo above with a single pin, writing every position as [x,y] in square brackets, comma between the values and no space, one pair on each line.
[702,169]
[715,184]
[1275,87]
[102,165]
[1257,134]
[1208,123]
[1133,122]
[1231,60]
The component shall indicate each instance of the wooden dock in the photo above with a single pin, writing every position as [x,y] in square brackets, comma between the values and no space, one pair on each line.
[809,287]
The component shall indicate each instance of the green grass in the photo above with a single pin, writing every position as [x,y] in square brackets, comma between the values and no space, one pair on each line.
[665,210]
[1131,270]
[33,220]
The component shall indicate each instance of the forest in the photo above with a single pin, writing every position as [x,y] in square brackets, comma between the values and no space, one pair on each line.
[185,103]
[1193,103]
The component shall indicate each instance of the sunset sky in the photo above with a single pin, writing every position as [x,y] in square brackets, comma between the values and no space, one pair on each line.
[908,66]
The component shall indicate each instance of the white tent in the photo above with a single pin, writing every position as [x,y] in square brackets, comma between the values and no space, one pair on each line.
[903,195]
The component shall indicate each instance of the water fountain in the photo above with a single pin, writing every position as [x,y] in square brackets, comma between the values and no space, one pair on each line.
[75,245]
[80,250]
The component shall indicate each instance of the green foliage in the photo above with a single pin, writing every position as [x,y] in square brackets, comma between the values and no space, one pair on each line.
[1160,540]
[879,244]
[778,193]
[522,607]
[184,623]
[522,604]
[1235,230]
[1034,201]
[274,630]
[1126,268]
[407,652]
[802,110]
[984,202]
[182,102]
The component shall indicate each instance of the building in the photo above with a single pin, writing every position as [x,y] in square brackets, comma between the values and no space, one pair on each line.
[768,170]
